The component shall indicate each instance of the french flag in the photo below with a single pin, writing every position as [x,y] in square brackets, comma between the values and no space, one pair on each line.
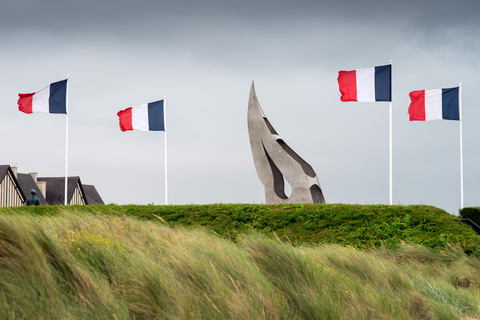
[366,85]
[434,104]
[146,117]
[51,99]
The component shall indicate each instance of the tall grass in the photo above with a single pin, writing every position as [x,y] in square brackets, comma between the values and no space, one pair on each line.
[97,266]
[360,226]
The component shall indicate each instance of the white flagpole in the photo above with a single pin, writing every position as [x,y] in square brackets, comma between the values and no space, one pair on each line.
[461,143]
[66,143]
[390,160]
[165,127]
[390,151]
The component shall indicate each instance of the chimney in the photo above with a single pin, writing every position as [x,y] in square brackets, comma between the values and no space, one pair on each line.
[14,169]
[34,176]
[42,186]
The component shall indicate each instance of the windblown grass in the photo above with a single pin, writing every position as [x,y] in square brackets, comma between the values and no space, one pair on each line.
[360,226]
[102,266]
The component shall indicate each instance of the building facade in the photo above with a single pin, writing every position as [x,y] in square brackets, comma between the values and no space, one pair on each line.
[15,189]
[10,193]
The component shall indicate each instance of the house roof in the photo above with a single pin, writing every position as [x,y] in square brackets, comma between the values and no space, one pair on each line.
[56,188]
[27,183]
[4,169]
[91,194]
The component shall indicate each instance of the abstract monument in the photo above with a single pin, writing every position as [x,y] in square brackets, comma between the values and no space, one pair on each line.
[275,160]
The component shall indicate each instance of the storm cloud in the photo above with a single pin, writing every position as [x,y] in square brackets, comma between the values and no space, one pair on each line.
[203,55]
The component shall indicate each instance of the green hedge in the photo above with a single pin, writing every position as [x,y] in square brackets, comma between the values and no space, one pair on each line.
[472,213]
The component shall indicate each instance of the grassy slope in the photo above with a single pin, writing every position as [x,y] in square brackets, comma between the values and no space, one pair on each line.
[72,264]
[356,225]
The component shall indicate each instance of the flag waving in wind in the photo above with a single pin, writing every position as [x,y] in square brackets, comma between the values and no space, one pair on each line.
[439,104]
[145,117]
[51,99]
[366,85]
[434,104]
[370,85]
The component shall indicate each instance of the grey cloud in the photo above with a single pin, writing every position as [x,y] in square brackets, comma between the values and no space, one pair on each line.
[203,55]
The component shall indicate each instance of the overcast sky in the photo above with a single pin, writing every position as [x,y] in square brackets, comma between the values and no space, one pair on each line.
[203,56]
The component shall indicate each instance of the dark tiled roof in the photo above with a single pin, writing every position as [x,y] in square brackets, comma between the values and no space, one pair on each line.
[56,189]
[3,171]
[27,183]
[92,195]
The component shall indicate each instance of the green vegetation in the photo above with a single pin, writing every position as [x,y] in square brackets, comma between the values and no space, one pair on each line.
[361,226]
[154,262]
[472,213]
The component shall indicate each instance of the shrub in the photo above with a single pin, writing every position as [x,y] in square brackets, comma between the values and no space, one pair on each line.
[471,213]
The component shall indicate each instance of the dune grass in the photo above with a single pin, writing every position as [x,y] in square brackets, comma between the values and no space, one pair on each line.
[360,226]
[102,266]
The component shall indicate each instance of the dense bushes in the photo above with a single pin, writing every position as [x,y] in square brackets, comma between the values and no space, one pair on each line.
[361,226]
[471,213]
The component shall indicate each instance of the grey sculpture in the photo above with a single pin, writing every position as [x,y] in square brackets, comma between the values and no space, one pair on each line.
[274,160]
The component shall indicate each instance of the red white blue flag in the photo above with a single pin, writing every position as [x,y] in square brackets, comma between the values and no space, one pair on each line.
[145,117]
[51,99]
[434,104]
[366,85]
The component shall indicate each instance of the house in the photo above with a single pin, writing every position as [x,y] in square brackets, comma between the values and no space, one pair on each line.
[11,195]
[55,192]
[15,189]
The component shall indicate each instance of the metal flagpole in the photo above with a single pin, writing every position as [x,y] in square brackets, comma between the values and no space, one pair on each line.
[165,127]
[390,140]
[461,143]
[66,143]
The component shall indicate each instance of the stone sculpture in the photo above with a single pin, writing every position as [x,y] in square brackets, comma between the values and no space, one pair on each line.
[274,160]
